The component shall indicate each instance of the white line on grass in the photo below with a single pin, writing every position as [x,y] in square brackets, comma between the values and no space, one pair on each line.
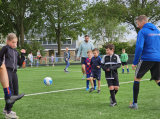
[72,89]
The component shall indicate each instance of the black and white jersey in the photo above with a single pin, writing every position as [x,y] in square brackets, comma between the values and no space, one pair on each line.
[112,63]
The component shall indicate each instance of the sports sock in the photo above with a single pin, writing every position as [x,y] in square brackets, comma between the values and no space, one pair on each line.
[115,91]
[87,83]
[7,92]
[158,83]
[94,81]
[66,69]
[128,70]
[113,95]
[122,70]
[135,91]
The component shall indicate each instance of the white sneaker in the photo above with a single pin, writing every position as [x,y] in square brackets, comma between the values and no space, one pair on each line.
[5,111]
[11,115]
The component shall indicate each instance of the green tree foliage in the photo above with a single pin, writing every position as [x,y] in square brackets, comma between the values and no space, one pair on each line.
[102,25]
[20,16]
[118,48]
[33,47]
[129,10]
[63,19]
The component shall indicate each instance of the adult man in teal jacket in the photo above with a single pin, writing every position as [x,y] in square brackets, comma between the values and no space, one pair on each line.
[84,47]
[148,47]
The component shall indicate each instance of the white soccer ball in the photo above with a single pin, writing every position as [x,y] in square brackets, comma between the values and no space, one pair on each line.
[47,81]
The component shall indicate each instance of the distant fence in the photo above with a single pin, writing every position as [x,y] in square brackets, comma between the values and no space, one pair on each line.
[46,61]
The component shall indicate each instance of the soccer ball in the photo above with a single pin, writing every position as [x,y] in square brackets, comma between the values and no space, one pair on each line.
[47,81]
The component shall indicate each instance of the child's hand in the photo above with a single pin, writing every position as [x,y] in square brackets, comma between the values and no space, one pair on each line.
[107,70]
[98,66]
[88,63]
[23,51]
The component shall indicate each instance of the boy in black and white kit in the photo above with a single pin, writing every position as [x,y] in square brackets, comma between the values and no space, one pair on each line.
[110,63]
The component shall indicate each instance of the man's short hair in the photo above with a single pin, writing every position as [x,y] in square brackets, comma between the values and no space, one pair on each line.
[89,51]
[95,49]
[142,18]
[110,46]
[86,36]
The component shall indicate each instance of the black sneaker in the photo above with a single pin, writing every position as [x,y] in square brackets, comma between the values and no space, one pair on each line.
[92,89]
[113,104]
[98,91]
[14,98]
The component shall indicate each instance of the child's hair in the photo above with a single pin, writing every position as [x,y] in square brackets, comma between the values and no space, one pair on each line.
[123,49]
[11,36]
[89,51]
[110,46]
[86,36]
[66,47]
[30,52]
[95,49]
[51,54]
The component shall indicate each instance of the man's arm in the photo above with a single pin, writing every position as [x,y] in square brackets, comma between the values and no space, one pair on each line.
[139,47]
[79,51]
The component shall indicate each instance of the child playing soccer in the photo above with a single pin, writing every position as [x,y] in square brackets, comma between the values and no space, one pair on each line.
[12,59]
[110,63]
[52,60]
[66,59]
[124,59]
[89,70]
[96,68]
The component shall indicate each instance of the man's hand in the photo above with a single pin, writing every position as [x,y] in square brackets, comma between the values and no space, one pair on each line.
[98,66]
[77,58]
[23,51]
[133,67]
[107,70]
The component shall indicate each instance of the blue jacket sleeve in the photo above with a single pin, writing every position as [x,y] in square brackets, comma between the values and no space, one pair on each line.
[139,47]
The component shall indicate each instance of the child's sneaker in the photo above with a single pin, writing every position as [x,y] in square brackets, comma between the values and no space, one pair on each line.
[92,89]
[11,115]
[95,87]
[66,72]
[83,77]
[133,106]
[113,104]
[98,91]
[5,111]
[87,89]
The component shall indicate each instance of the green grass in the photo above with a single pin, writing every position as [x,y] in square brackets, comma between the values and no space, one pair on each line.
[78,103]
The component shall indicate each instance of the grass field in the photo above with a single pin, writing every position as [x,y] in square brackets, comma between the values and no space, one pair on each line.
[77,103]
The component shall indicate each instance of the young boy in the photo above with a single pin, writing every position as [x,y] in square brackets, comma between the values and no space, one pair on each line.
[89,70]
[96,68]
[12,59]
[110,63]
[124,59]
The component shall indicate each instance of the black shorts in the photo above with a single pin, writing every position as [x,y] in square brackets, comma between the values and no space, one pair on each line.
[144,66]
[124,63]
[96,75]
[113,82]
[82,60]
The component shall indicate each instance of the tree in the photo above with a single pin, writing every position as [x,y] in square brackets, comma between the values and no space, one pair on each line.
[20,16]
[128,10]
[64,18]
[104,26]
